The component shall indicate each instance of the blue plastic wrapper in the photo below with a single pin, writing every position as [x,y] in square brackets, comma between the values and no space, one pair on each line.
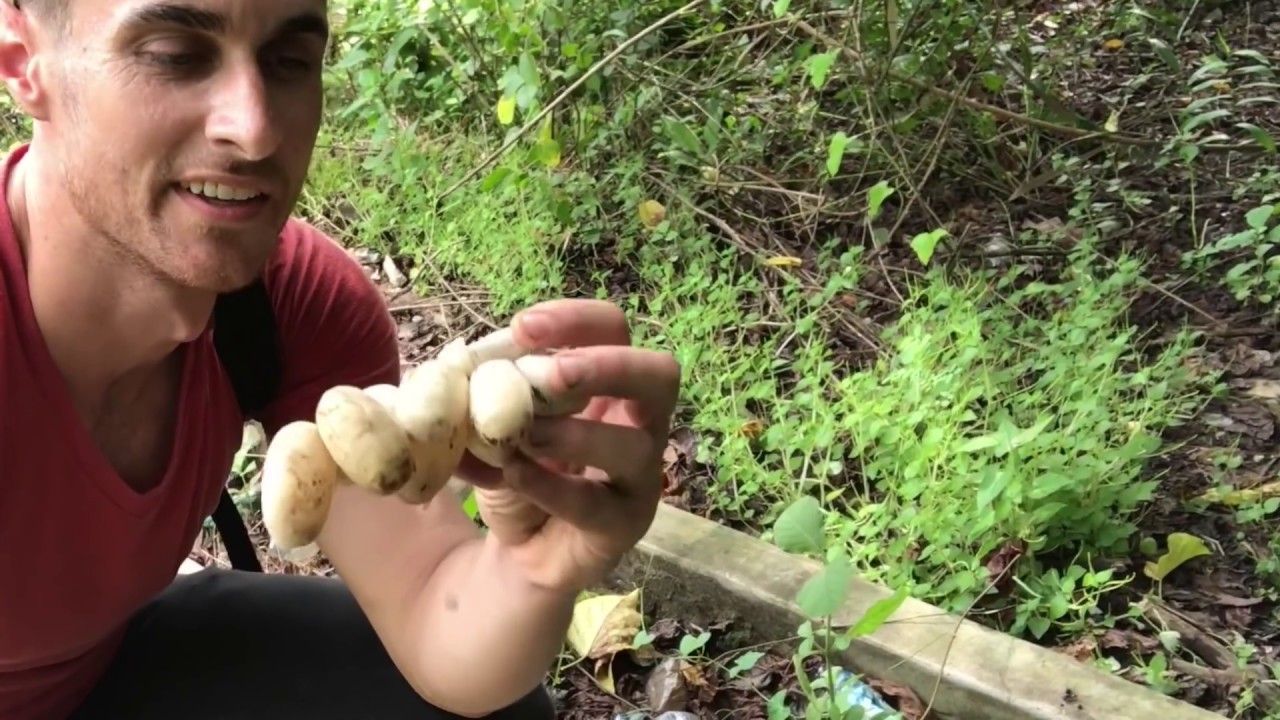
[853,692]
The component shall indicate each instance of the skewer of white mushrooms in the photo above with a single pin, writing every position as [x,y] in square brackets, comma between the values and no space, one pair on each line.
[408,440]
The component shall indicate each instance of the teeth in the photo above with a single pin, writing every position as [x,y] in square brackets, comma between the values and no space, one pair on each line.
[221,192]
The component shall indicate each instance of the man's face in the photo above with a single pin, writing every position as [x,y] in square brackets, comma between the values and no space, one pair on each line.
[156,105]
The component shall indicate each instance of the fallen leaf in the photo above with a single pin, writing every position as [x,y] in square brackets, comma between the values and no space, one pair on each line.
[1253,421]
[1182,547]
[906,700]
[1118,639]
[602,626]
[1240,496]
[667,687]
[784,261]
[1233,601]
[998,565]
[1113,44]
[1081,650]
[1241,359]
[1113,122]
[1260,388]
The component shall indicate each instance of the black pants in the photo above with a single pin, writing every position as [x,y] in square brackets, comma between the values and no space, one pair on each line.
[237,645]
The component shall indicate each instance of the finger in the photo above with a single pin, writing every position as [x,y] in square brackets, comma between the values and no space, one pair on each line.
[624,453]
[571,323]
[577,500]
[478,472]
[648,377]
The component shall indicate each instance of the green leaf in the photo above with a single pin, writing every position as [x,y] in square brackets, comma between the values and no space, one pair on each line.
[684,137]
[1182,547]
[548,152]
[824,593]
[1204,117]
[780,7]
[745,662]
[819,66]
[876,197]
[835,152]
[778,707]
[801,527]
[982,442]
[497,178]
[470,507]
[1260,136]
[1166,54]
[925,243]
[878,614]
[1259,217]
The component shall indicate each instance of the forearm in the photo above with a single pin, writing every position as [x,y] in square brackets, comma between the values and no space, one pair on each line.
[488,636]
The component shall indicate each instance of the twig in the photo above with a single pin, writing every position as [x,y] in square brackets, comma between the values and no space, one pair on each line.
[1215,653]
[564,95]
[1009,115]
[857,326]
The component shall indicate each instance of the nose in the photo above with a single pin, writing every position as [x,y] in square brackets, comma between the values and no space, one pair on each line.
[241,114]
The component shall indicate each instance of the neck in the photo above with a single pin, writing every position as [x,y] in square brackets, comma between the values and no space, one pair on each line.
[105,317]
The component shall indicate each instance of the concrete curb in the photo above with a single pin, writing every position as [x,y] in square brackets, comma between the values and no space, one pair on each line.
[698,570]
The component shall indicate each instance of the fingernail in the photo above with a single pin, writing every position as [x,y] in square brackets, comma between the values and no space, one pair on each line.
[535,324]
[573,370]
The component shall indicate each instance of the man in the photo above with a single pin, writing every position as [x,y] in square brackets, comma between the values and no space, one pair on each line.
[171,141]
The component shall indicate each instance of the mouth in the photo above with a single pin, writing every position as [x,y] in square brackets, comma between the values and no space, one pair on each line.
[223,204]
[219,193]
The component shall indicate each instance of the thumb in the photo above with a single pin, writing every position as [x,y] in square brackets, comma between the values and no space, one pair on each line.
[577,500]
[510,517]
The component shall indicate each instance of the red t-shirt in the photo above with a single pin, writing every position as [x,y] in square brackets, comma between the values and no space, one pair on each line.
[79,549]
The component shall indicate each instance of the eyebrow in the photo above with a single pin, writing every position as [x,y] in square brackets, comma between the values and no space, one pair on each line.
[307,23]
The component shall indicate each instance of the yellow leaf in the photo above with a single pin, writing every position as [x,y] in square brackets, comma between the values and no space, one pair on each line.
[1113,44]
[784,261]
[1182,547]
[604,625]
[1263,389]
[652,213]
[603,674]
[506,110]
[548,152]
[752,429]
[1113,121]
[1242,496]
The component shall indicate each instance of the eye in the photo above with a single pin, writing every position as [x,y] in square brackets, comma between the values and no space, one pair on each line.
[174,55]
[174,61]
[289,59]
[293,63]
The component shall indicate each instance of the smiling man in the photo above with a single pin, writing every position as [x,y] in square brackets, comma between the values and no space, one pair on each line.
[171,142]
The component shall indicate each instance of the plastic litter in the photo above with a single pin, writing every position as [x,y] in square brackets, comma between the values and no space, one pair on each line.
[852,692]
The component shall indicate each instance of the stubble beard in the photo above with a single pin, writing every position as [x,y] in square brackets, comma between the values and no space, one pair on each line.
[199,258]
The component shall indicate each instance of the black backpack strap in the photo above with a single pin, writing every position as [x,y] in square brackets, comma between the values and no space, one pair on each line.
[244,336]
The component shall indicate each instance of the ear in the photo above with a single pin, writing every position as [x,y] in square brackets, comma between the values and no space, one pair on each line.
[19,65]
